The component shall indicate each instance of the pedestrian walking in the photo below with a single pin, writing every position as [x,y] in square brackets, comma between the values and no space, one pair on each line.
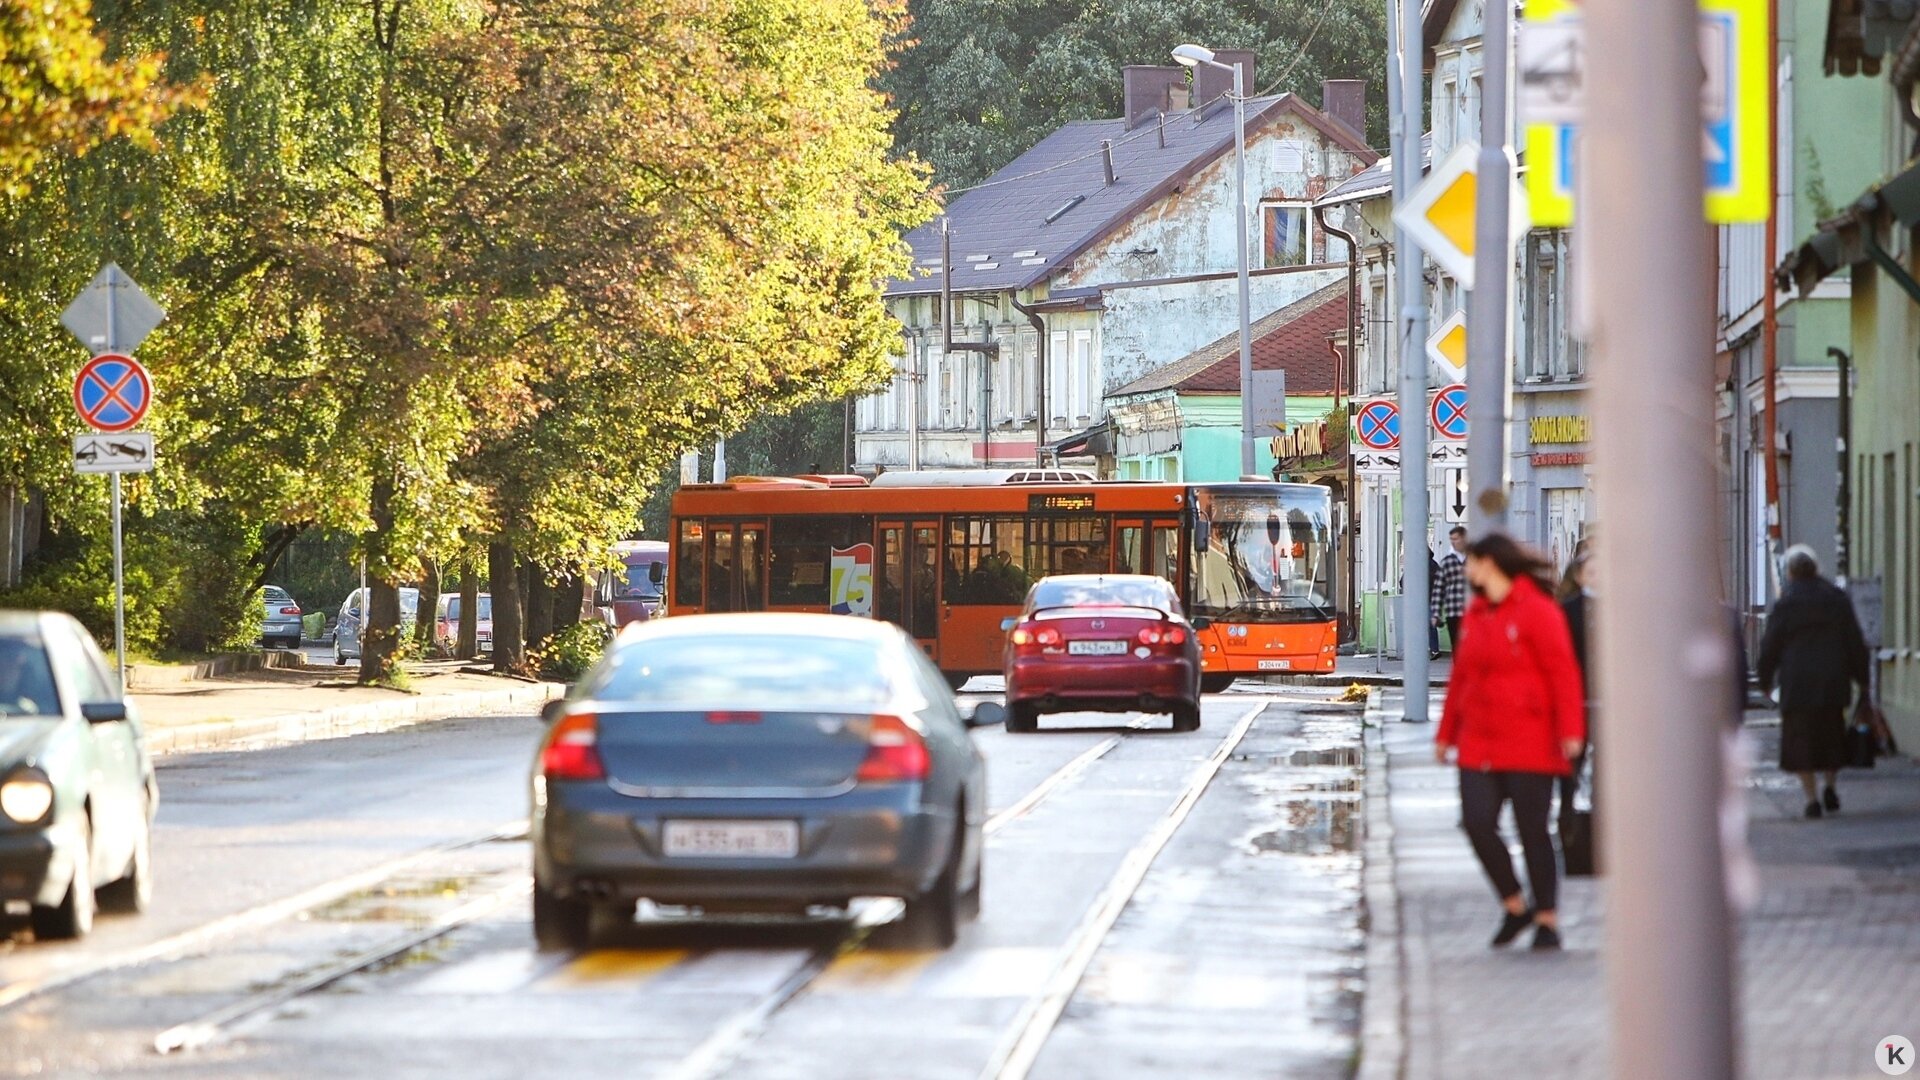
[1449,602]
[1513,722]
[1813,649]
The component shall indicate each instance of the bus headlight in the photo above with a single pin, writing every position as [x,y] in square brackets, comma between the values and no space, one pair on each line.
[26,797]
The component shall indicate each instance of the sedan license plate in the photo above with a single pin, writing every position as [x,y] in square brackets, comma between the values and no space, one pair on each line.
[1276,665]
[1096,648]
[731,839]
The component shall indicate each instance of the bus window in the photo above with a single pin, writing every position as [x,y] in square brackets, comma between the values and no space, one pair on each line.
[1129,554]
[1075,544]
[720,568]
[753,547]
[986,561]
[1166,551]
[687,576]
[800,550]
[890,575]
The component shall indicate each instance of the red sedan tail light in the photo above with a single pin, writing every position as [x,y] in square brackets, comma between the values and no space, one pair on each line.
[1027,637]
[573,749]
[1172,636]
[289,610]
[895,752]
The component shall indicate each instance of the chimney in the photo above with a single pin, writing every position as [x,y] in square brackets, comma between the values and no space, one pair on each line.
[1149,91]
[1346,101]
[1210,83]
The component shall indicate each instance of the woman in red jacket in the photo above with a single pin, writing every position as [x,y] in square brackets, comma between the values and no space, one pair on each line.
[1514,720]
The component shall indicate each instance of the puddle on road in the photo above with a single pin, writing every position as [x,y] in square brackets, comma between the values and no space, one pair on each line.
[395,901]
[1340,756]
[1313,827]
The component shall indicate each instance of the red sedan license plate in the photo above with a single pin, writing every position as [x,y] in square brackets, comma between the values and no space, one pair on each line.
[1096,648]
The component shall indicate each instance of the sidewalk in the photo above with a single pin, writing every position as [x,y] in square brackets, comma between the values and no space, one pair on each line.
[283,705]
[1830,954]
[1367,671]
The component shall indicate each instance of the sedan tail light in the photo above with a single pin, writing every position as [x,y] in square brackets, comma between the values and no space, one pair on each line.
[289,610]
[895,753]
[1172,637]
[573,749]
[1029,638]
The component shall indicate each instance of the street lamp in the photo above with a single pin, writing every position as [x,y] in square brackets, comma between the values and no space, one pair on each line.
[1195,56]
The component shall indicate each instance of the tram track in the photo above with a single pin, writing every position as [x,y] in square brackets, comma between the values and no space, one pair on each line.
[1015,1052]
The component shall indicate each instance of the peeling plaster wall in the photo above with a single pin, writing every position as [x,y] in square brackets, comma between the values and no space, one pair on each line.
[1144,328]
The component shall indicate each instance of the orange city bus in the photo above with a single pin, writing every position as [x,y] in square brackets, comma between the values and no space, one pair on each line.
[1253,562]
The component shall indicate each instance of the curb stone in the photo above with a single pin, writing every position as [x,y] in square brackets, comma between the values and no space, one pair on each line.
[1383,1050]
[362,719]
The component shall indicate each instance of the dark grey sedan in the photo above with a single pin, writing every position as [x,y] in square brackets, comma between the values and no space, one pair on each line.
[77,792]
[759,763]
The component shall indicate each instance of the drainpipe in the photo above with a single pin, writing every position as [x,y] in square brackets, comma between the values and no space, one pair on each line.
[1770,318]
[1843,501]
[1345,380]
[987,349]
[1040,373]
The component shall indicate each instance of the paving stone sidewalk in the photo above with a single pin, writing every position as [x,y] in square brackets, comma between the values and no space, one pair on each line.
[1829,960]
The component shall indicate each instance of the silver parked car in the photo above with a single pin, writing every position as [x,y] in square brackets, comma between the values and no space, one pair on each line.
[77,790]
[346,633]
[759,762]
[280,623]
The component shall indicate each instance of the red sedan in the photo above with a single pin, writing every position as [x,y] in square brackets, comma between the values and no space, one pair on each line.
[1102,643]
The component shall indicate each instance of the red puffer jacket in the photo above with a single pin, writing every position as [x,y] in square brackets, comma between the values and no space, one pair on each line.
[1515,690]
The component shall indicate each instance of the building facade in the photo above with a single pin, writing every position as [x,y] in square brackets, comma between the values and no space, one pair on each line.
[1108,249]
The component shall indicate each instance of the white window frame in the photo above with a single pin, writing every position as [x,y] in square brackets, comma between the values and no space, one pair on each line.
[1307,225]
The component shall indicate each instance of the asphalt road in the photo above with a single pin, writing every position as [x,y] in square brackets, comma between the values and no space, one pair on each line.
[1156,905]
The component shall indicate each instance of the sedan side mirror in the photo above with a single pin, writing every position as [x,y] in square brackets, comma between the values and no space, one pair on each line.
[1008,624]
[985,714]
[551,710]
[104,712]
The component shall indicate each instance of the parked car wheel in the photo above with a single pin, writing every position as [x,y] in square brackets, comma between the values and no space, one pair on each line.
[131,894]
[1022,718]
[1214,684]
[73,916]
[560,923]
[1186,718]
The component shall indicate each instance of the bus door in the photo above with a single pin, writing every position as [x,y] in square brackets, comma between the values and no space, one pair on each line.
[907,580]
[1147,546]
[736,575]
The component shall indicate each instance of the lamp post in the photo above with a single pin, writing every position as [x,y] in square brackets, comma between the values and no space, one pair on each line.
[1195,56]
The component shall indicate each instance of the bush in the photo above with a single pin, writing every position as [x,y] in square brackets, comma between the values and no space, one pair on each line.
[567,655]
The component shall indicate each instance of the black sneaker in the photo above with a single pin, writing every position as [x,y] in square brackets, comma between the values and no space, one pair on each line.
[1545,938]
[1510,928]
[1832,800]
[1813,809]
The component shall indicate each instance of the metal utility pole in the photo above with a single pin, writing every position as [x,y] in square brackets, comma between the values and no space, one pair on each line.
[1665,640]
[119,572]
[1409,263]
[1843,493]
[988,350]
[1248,461]
[1489,331]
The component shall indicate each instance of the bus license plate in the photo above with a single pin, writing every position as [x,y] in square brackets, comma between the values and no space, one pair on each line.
[1276,665]
[731,839]
[1096,648]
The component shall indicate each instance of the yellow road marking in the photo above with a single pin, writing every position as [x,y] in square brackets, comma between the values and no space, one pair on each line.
[604,966]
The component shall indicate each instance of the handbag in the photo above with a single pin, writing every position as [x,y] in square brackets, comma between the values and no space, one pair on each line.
[1868,736]
[1576,825]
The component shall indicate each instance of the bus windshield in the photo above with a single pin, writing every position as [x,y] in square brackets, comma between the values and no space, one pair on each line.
[1261,556]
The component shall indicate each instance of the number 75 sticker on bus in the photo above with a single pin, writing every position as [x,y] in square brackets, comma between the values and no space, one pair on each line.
[852,570]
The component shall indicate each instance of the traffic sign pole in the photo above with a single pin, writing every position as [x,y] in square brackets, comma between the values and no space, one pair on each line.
[1412,301]
[119,572]
[1489,331]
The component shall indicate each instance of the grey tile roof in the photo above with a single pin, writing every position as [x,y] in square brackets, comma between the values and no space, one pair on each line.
[1002,238]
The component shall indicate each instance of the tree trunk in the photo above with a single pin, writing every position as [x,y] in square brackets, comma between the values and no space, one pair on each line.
[469,644]
[539,605]
[380,631]
[568,598]
[426,623]
[509,653]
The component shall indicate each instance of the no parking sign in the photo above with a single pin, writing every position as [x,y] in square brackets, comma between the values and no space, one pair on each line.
[112,392]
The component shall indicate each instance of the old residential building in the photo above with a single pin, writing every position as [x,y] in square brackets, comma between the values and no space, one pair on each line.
[1110,247]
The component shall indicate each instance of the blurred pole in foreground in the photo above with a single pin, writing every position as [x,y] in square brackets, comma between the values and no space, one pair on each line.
[1410,264]
[1665,651]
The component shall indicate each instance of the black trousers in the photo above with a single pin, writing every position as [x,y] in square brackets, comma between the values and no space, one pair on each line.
[1481,796]
[1453,633]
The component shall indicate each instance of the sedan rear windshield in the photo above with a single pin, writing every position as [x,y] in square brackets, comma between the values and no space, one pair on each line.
[761,671]
[1138,594]
[485,605]
[26,679]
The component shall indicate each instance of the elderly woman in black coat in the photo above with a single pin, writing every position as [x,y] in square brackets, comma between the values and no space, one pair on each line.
[1814,649]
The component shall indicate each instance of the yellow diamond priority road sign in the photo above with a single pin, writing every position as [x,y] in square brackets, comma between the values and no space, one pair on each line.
[1448,348]
[1439,213]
